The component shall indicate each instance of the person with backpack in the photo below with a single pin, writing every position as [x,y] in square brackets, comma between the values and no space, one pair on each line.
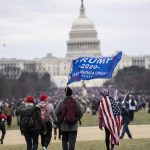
[49,118]
[69,112]
[31,123]
[3,119]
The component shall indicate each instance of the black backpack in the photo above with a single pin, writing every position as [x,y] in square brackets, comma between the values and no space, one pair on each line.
[70,113]
[27,119]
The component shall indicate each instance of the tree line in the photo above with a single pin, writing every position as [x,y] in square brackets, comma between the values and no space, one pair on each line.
[133,78]
[26,84]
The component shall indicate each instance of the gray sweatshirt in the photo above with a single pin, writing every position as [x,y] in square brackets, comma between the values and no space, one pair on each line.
[64,126]
[49,111]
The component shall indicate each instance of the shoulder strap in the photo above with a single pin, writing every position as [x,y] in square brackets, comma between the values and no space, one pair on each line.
[33,110]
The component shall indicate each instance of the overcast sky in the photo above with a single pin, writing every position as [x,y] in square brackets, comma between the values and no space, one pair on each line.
[31,28]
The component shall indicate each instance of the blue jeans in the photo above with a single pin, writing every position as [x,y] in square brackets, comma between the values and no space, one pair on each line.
[31,138]
[69,140]
[125,129]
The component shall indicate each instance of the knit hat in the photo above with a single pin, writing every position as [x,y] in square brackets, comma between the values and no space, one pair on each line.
[68,91]
[30,99]
[43,97]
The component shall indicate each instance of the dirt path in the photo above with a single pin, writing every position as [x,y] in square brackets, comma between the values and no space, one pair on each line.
[13,137]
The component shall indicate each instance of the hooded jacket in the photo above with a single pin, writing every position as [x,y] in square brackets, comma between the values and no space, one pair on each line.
[35,112]
[50,113]
[63,125]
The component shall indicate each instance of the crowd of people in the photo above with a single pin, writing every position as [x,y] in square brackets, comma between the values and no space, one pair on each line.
[63,109]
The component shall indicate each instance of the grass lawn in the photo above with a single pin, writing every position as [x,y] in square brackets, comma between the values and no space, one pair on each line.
[141,117]
[134,144]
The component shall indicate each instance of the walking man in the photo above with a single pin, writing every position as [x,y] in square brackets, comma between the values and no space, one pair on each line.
[70,112]
[31,123]
[125,121]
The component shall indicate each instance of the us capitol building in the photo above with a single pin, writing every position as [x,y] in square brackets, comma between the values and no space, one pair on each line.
[83,41]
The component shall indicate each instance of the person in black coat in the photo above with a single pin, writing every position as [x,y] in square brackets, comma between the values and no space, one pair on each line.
[31,123]
[125,123]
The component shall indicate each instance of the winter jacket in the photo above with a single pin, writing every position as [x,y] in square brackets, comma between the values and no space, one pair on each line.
[3,118]
[35,112]
[64,126]
[50,113]
[125,115]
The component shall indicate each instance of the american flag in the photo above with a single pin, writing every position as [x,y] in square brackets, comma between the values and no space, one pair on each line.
[110,111]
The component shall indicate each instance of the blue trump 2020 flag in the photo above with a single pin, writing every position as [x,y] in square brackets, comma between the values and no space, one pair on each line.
[87,68]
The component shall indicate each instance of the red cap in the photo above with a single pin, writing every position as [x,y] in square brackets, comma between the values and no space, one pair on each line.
[43,97]
[30,99]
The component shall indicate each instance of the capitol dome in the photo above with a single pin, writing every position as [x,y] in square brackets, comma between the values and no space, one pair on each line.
[82,21]
[83,41]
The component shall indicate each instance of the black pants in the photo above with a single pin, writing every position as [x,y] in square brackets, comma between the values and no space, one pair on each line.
[45,139]
[18,119]
[9,121]
[3,130]
[69,139]
[125,129]
[31,138]
[107,139]
[131,115]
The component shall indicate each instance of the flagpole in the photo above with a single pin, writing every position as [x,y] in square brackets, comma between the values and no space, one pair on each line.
[125,97]
[116,94]
[69,73]
[124,103]
[68,76]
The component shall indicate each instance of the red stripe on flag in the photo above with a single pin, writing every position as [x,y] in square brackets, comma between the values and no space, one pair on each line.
[106,117]
[113,123]
[111,118]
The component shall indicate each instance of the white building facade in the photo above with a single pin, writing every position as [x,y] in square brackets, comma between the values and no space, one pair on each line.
[83,42]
